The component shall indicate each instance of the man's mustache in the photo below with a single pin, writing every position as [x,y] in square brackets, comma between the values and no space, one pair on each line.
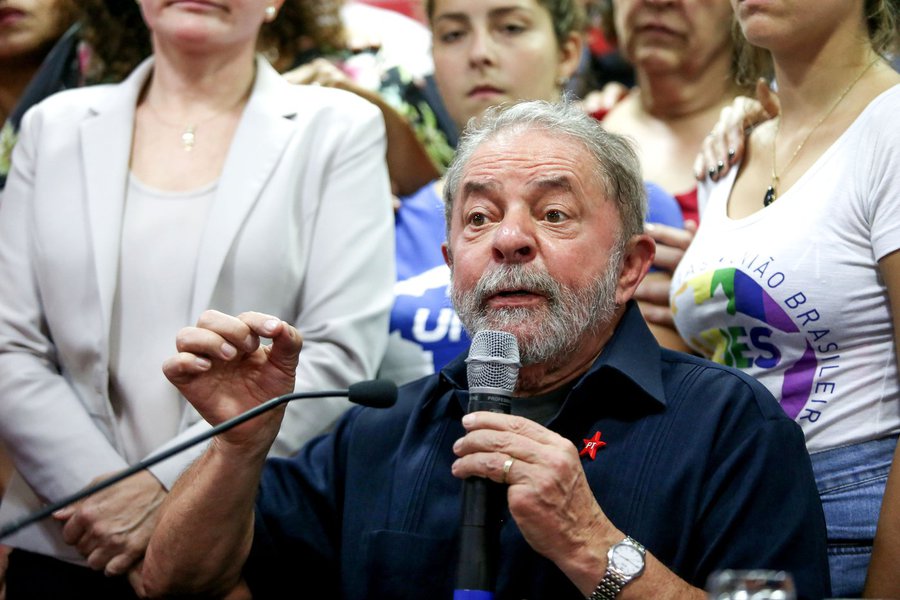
[515,278]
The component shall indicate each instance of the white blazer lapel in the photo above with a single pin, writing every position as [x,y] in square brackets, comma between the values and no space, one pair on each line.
[106,147]
[258,144]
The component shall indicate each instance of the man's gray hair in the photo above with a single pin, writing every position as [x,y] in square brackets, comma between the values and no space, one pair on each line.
[617,166]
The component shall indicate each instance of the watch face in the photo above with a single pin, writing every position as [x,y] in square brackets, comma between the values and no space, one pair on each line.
[628,560]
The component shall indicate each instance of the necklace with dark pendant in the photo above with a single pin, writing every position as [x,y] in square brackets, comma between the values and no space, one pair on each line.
[772,190]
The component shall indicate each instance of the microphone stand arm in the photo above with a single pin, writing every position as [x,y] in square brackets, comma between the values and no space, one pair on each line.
[51,508]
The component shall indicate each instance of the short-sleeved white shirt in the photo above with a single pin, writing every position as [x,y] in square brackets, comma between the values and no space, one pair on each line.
[792,294]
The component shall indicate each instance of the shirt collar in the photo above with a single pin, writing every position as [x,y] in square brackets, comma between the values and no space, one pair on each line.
[632,351]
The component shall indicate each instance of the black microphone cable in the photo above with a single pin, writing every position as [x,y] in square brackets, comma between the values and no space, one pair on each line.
[378,393]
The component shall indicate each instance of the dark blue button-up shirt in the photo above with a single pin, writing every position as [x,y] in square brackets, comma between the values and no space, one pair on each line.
[700,465]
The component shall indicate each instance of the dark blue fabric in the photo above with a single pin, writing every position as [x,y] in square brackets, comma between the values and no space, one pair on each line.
[701,466]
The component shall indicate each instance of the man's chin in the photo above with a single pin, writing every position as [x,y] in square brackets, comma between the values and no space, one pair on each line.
[517,321]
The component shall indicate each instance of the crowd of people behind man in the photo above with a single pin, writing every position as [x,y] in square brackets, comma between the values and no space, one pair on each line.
[182,181]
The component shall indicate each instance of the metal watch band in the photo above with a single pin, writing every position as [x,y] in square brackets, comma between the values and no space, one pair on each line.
[609,587]
[613,580]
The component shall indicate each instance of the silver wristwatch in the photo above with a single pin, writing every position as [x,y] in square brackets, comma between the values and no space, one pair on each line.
[625,561]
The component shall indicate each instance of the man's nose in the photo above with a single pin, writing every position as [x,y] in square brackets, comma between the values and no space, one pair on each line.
[514,239]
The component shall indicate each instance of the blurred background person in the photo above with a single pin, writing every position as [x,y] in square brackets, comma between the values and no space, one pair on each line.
[375,53]
[684,62]
[37,57]
[602,67]
[120,198]
[794,274]
[400,40]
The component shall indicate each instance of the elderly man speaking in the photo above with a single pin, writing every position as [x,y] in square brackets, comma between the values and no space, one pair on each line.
[628,471]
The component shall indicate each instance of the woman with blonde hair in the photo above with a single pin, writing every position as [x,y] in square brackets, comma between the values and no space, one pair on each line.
[794,275]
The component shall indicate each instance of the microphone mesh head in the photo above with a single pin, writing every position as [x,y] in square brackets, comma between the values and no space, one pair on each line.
[493,362]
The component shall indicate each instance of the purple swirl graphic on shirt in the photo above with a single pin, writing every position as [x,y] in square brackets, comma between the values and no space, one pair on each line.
[746,297]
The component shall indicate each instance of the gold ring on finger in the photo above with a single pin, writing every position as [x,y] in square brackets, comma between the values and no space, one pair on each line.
[506,467]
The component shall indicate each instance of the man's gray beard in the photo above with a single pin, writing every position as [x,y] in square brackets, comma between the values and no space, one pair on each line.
[557,327]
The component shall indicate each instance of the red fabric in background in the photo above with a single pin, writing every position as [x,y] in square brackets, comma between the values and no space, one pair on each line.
[410,8]
[598,43]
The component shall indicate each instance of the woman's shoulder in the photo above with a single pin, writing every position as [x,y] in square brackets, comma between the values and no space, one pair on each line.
[99,97]
[316,101]
[885,104]
[71,101]
[66,110]
[876,128]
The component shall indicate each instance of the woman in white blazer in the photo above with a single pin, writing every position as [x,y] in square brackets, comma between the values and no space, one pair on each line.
[203,181]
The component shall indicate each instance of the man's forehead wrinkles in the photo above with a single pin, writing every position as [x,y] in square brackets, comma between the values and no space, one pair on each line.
[545,179]
[497,166]
[522,160]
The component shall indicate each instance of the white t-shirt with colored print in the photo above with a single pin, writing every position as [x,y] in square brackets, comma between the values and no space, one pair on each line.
[792,293]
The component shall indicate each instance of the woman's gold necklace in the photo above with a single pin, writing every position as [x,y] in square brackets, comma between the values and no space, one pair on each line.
[189,131]
[772,190]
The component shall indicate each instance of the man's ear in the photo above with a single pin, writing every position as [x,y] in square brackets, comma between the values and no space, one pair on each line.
[639,253]
[448,257]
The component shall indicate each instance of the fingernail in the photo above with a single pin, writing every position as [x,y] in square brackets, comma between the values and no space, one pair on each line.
[270,325]
[719,166]
[228,351]
[468,420]
[712,171]
[203,363]
[731,153]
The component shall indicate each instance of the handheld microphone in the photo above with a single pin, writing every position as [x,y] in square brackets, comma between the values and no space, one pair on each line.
[492,371]
[378,393]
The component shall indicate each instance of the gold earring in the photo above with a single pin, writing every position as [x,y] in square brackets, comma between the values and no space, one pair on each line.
[270,13]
